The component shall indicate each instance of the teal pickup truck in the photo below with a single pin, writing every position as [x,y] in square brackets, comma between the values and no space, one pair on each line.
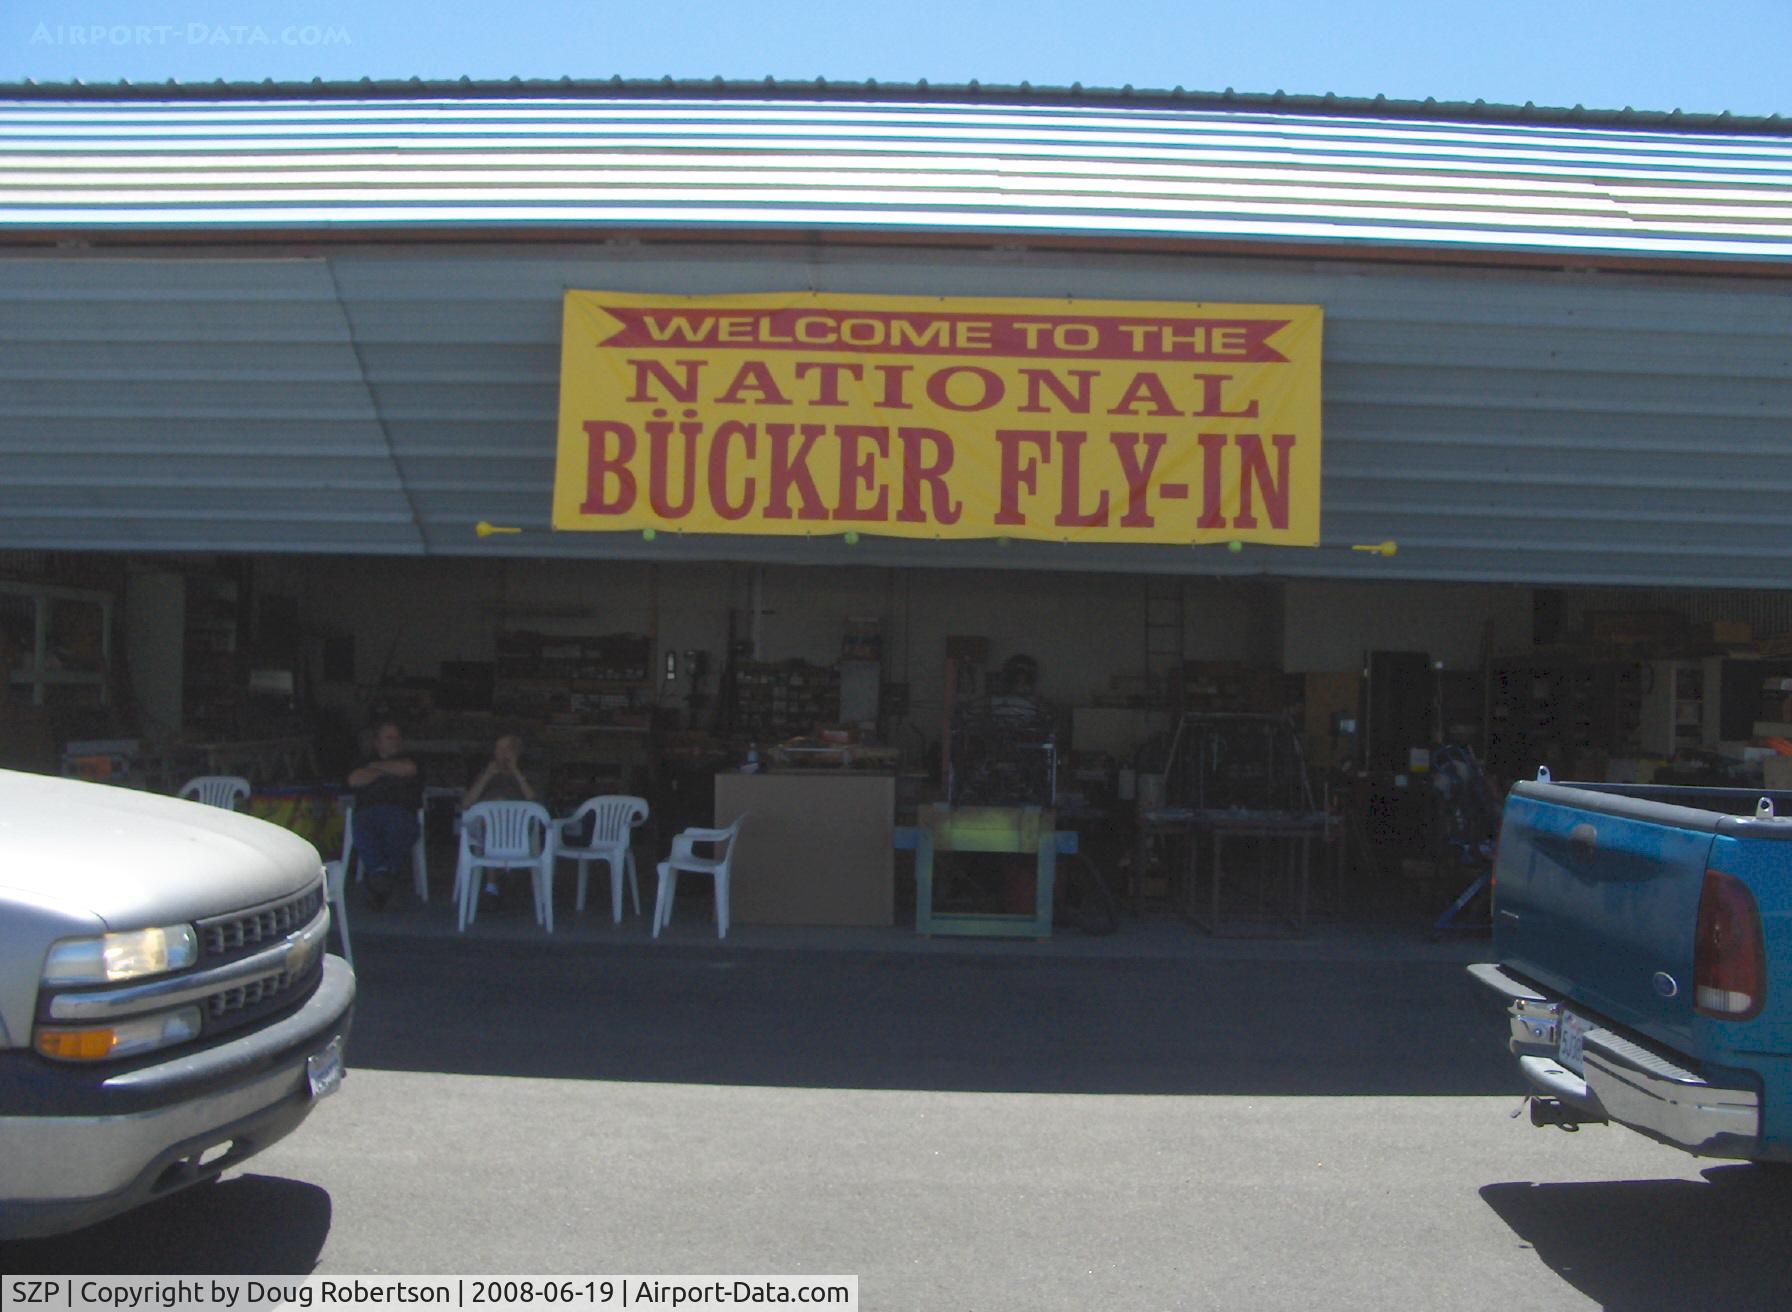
[1643,937]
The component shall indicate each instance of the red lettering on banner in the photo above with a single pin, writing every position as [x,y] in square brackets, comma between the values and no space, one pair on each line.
[1138,474]
[1256,475]
[894,388]
[599,466]
[1070,512]
[858,469]
[940,382]
[1146,386]
[1213,405]
[1015,475]
[1213,450]
[917,471]
[755,376]
[1040,381]
[659,442]
[790,470]
[830,371]
[718,468]
[682,392]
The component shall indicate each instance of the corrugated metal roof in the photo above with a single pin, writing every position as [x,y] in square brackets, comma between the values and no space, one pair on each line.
[1002,169]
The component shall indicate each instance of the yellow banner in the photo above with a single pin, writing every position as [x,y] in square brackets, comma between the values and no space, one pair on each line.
[921,417]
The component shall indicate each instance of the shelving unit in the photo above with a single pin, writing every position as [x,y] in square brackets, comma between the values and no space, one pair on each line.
[575,681]
[593,761]
[778,701]
[592,696]
[1674,706]
[63,638]
[1219,686]
[213,684]
[1554,714]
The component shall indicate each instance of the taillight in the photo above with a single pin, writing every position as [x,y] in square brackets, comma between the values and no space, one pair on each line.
[1729,963]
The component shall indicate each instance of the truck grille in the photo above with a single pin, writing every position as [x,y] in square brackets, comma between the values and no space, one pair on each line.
[247,1001]
[248,994]
[226,936]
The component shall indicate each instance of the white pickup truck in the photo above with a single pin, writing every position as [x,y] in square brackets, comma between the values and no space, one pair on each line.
[167,1004]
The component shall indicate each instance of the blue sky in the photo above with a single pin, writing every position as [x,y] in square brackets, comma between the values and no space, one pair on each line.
[1721,55]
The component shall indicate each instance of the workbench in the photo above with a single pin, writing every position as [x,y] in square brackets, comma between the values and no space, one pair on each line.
[1281,877]
[1017,829]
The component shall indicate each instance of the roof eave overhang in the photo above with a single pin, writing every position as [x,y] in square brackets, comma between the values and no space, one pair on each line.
[73,240]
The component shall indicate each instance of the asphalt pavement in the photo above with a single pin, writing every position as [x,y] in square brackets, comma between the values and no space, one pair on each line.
[1151,1120]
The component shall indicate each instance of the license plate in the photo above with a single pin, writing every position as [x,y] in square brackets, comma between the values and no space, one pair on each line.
[324,1069]
[1572,1042]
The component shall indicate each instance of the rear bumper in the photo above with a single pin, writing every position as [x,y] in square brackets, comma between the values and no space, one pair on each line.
[64,1172]
[1624,1081]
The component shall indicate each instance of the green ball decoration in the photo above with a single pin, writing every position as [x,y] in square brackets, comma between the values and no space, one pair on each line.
[852,539]
[1235,546]
[649,534]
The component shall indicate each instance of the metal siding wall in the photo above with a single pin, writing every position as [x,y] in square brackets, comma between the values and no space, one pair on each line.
[175,403]
[1500,426]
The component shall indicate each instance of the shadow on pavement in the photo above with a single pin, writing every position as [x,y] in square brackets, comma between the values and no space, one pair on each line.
[266,1225]
[830,1019]
[1640,1245]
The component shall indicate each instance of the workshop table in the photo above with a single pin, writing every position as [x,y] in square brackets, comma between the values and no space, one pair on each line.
[1016,829]
[1284,839]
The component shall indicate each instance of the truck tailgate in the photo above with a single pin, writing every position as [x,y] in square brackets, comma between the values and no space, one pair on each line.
[1597,899]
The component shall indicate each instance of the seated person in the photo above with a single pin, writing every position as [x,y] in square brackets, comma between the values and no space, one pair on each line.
[388,790]
[502,780]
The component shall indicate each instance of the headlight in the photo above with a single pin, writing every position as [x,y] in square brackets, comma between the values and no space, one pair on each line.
[122,1038]
[114,957]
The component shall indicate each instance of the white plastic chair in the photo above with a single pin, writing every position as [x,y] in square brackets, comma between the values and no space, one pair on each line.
[685,858]
[220,790]
[505,836]
[419,851]
[335,888]
[613,820]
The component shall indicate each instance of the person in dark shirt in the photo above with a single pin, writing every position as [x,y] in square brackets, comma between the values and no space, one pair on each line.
[388,790]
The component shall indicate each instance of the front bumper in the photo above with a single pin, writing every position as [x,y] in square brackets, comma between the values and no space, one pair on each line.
[1624,1081]
[64,1172]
